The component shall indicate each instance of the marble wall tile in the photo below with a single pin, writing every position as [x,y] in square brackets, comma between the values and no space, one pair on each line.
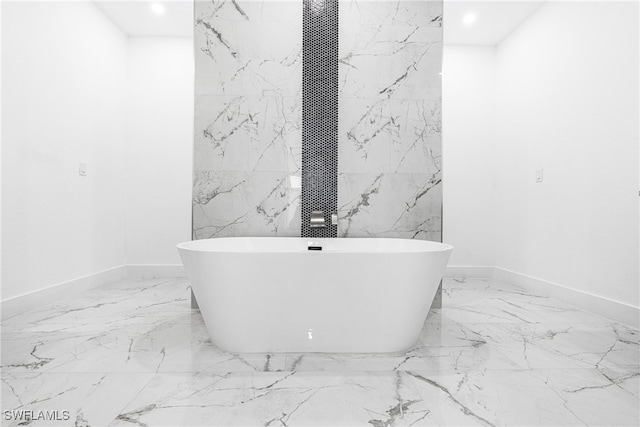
[248,115]
[246,48]
[390,167]
[247,133]
[391,136]
[239,203]
[389,205]
[391,49]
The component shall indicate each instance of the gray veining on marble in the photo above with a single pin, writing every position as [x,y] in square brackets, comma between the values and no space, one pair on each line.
[248,118]
[389,205]
[135,353]
[390,168]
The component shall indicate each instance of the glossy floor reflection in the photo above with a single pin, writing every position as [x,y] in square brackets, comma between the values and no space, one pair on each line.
[135,354]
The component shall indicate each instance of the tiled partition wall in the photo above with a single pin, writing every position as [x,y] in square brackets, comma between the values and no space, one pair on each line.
[248,150]
[248,118]
[389,157]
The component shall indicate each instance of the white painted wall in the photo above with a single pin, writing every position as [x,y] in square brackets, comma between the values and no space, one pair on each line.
[567,101]
[0,153]
[468,123]
[159,148]
[63,101]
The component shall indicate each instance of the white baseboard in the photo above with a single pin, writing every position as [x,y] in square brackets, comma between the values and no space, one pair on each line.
[615,310]
[35,299]
[459,271]
[153,270]
[22,303]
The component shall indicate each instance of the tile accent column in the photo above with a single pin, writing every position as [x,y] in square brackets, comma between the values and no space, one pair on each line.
[319,114]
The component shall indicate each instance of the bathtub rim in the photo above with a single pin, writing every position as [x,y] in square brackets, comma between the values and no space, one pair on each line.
[412,245]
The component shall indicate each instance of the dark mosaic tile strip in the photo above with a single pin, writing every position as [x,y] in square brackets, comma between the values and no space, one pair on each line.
[319,114]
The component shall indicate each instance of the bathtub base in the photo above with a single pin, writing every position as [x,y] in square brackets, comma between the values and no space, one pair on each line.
[272,295]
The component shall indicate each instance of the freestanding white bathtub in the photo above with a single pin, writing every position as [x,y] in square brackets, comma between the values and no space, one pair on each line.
[273,295]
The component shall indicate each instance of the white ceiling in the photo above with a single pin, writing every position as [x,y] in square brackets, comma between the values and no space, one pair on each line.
[136,18]
[495,19]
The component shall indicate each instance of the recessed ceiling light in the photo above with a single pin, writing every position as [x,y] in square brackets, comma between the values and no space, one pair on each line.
[157,8]
[469,18]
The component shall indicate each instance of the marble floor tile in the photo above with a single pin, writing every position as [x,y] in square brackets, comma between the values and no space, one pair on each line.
[26,352]
[611,348]
[464,291]
[595,398]
[433,359]
[113,305]
[293,398]
[134,353]
[518,309]
[89,399]
[489,398]
[490,301]
[165,346]
[534,397]
[444,345]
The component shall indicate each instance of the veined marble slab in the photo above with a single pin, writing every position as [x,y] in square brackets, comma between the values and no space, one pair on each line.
[389,205]
[244,133]
[390,49]
[248,118]
[238,203]
[613,349]
[90,399]
[390,136]
[390,150]
[248,48]
[487,398]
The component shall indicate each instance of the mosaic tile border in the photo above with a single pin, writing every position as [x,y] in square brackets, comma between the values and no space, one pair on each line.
[319,114]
